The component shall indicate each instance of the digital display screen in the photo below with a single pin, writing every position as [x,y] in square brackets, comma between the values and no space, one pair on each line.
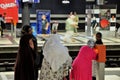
[90,0]
[31,1]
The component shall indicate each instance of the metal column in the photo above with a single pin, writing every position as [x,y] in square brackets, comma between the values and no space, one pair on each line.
[12,29]
[25,14]
[88,31]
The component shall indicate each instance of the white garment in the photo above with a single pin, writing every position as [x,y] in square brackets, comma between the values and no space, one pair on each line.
[94,67]
[118,32]
[55,26]
[55,53]
[68,36]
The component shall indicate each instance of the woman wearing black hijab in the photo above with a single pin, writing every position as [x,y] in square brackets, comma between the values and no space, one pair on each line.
[24,66]
[28,30]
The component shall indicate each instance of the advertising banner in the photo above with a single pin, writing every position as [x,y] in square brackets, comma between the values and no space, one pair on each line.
[34,29]
[9,10]
[39,20]
[36,1]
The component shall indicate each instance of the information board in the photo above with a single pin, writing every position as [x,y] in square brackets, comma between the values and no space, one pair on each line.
[39,20]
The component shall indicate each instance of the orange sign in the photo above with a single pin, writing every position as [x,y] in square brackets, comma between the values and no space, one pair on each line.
[104,23]
[9,10]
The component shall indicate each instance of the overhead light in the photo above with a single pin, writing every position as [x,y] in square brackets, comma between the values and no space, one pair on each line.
[65,1]
[100,2]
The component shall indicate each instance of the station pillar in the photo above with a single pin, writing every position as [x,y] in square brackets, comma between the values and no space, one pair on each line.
[25,14]
[88,31]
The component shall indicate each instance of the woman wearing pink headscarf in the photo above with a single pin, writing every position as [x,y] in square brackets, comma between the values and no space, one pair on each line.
[82,65]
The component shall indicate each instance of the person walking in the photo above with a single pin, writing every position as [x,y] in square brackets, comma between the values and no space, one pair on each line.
[2,24]
[70,27]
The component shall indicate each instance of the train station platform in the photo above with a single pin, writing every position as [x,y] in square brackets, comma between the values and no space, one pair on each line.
[79,39]
[110,74]
[10,44]
[9,47]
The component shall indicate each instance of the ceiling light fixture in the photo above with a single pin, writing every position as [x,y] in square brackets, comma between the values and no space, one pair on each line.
[65,1]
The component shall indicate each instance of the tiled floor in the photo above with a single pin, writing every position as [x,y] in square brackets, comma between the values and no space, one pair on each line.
[5,41]
[80,38]
[112,77]
[108,71]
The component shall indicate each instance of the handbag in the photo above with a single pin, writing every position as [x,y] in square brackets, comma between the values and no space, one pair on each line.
[39,59]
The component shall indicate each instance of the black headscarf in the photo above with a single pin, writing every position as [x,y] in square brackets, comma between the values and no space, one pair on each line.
[25,29]
[24,42]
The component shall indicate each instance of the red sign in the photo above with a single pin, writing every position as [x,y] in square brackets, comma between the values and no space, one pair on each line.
[9,10]
[104,23]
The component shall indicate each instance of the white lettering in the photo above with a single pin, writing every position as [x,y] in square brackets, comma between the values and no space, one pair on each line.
[7,5]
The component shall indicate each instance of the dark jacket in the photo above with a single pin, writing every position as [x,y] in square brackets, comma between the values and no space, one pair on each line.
[24,66]
[2,24]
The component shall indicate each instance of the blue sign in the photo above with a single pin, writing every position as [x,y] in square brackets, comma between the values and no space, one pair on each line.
[36,1]
[39,20]
[34,29]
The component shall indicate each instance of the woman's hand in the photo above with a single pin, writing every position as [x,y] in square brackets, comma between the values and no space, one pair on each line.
[64,78]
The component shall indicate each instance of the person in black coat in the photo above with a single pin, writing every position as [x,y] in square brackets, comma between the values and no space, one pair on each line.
[24,65]
[26,29]
[2,25]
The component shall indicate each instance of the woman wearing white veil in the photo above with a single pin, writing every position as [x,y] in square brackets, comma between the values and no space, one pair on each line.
[56,60]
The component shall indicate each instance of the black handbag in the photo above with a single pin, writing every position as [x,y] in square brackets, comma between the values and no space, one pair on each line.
[39,59]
